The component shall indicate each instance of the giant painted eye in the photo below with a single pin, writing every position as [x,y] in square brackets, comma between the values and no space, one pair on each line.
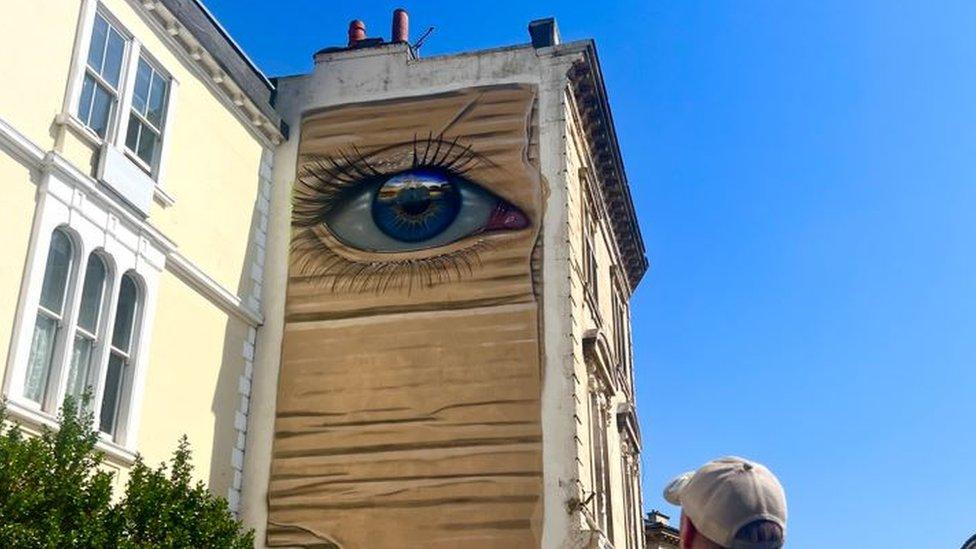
[416,209]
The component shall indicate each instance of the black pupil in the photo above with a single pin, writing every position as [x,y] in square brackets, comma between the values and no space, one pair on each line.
[413,200]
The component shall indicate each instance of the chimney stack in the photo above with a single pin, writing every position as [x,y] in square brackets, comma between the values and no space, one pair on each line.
[544,33]
[357,32]
[401,26]
[657,517]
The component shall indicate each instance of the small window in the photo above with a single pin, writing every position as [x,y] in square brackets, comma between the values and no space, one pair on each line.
[100,88]
[590,266]
[599,446]
[86,332]
[50,313]
[120,355]
[144,135]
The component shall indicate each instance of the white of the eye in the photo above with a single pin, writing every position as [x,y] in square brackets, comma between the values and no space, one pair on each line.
[352,221]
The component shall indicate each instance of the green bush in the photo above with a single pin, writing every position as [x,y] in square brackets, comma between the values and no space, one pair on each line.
[53,494]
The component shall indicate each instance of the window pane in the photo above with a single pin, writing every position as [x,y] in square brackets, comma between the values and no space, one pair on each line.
[132,135]
[84,104]
[157,100]
[140,96]
[96,50]
[101,110]
[56,272]
[124,314]
[80,366]
[142,140]
[113,58]
[147,145]
[39,363]
[91,294]
[110,397]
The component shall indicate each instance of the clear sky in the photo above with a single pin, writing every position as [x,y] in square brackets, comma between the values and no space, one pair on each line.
[805,178]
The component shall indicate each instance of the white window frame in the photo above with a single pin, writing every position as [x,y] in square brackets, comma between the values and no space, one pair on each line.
[117,90]
[93,226]
[101,324]
[63,319]
[115,135]
[130,358]
[152,169]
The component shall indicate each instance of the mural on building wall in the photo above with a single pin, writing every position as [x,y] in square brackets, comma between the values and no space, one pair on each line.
[408,409]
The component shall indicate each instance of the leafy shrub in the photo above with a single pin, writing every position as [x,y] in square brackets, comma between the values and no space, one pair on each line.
[54,494]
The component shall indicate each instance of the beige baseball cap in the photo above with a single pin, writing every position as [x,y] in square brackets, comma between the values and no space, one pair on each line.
[726,494]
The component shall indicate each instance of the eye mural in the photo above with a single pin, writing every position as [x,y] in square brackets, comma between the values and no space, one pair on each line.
[408,197]
[410,382]
[428,204]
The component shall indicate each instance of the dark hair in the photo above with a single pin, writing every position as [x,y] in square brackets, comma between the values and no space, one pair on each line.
[760,531]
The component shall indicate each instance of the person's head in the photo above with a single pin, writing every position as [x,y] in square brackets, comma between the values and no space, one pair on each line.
[730,503]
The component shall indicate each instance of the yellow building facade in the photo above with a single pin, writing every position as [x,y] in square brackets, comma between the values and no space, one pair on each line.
[149,176]
[135,149]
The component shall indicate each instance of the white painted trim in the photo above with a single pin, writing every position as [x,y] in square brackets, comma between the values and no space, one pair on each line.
[105,352]
[35,421]
[30,297]
[19,146]
[130,66]
[233,42]
[139,53]
[69,316]
[67,197]
[245,381]
[76,71]
[33,156]
[71,121]
[164,198]
[204,66]
[220,296]
[115,135]
[63,203]
[561,481]
[132,409]
[122,91]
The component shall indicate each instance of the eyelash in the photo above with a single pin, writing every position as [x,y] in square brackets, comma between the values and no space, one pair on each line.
[315,261]
[325,179]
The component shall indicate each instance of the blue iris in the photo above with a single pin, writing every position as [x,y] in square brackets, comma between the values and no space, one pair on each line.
[416,205]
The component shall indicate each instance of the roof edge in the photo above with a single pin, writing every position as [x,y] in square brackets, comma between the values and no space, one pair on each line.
[590,89]
[218,61]
[230,39]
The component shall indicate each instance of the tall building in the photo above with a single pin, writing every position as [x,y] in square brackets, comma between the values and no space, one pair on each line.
[136,143]
[455,339]
[659,533]
[387,300]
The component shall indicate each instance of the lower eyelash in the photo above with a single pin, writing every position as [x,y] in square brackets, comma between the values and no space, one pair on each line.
[313,259]
[323,180]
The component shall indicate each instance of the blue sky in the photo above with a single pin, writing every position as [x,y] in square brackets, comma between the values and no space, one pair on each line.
[805,178]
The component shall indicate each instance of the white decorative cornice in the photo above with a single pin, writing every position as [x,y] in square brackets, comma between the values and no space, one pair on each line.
[194,276]
[590,96]
[208,69]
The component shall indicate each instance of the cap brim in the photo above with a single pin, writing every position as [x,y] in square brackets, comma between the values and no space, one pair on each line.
[672,492]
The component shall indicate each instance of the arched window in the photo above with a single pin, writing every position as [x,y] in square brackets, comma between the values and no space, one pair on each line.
[119,372]
[50,315]
[86,332]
